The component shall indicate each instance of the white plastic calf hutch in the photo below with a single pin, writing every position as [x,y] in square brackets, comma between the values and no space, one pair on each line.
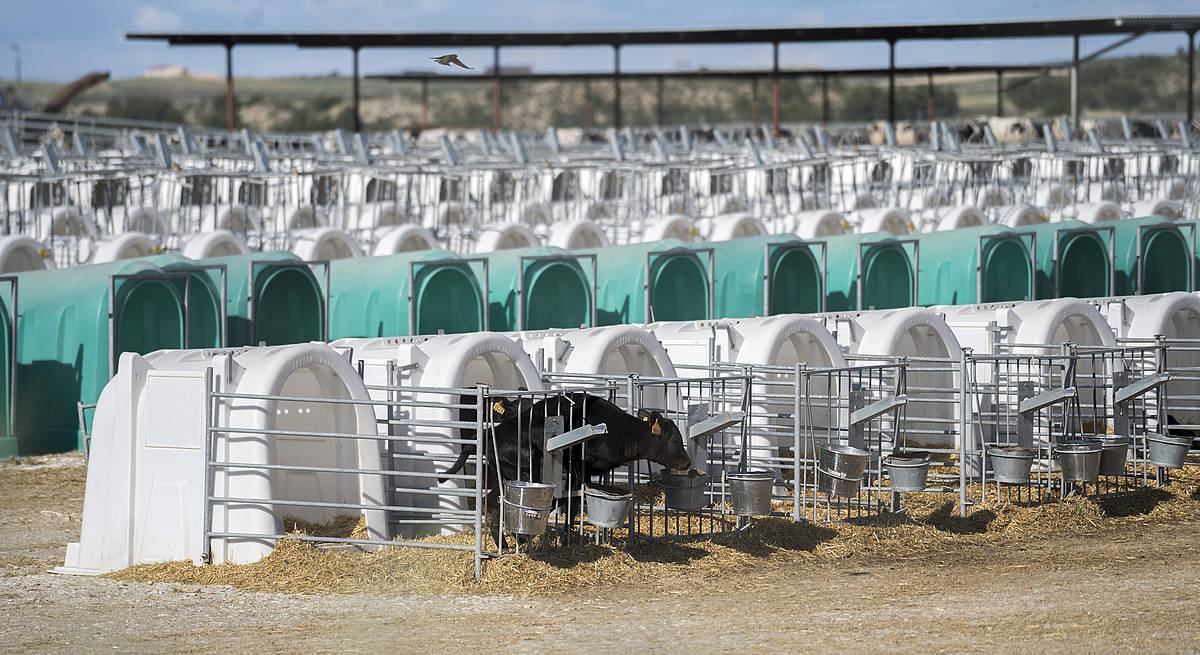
[934,365]
[145,482]
[577,234]
[20,253]
[324,243]
[776,341]
[985,327]
[403,238]
[1176,317]
[448,362]
[1036,328]
[613,350]
[218,243]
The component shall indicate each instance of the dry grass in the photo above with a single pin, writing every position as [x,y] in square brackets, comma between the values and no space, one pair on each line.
[930,525]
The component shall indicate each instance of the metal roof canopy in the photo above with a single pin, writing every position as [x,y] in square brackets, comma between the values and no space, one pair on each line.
[1075,28]
[1006,29]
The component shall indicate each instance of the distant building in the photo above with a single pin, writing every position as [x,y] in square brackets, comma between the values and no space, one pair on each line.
[166,72]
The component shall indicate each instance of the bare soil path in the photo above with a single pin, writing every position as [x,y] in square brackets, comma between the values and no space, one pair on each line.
[1126,588]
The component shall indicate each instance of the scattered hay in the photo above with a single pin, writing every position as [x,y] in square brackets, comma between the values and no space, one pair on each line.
[931,524]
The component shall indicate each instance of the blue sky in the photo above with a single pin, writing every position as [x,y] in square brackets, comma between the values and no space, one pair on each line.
[60,40]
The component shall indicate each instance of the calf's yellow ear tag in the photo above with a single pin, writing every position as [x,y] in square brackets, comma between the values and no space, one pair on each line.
[646,419]
[498,407]
[655,428]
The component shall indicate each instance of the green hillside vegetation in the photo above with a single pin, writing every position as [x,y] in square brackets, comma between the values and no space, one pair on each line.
[1133,85]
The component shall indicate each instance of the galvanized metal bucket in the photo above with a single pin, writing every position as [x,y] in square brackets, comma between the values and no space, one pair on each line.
[908,470]
[527,505]
[1167,451]
[604,509]
[846,461]
[685,492]
[833,483]
[1079,459]
[1114,454]
[1011,464]
[751,491]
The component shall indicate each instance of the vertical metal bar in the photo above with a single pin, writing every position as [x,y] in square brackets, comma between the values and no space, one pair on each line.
[484,299]
[224,341]
[253,336]
[891,81]
[496,101]
[206,526]
[187,310]
[999,93]
[754,101]
[357,114]
[929,95]
[964,410]
[229,122]
[775,88]
[587,104]
[617,86]
[112,333]
[424,104]
[1191,78]
[412,307]
[1074,87]
[824,97]
[658,92]
[480,453]
[797,438]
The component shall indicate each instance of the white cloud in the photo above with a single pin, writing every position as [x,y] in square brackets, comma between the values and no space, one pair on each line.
[153,19]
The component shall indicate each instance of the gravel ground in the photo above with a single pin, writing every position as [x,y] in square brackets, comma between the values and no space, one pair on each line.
[1136,588]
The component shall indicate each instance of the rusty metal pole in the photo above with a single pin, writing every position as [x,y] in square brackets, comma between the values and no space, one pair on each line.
[999,93]
[229,122]
[892,81]
[357,114]
[775,89]
[929,95]
[496,102]
[425,103]
[754,101]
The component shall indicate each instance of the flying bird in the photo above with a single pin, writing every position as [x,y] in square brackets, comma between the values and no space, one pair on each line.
[446,60]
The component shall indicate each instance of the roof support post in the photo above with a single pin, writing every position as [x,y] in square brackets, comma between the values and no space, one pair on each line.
[999,93]
[496,102]
[929,95]
[229,122]
[425,103]
[658,92]
[617,86]
[357,114]
[587,104]
[754,101]
[1074,88]
[775,89]
[1191,82]
[892,81]
[824,97]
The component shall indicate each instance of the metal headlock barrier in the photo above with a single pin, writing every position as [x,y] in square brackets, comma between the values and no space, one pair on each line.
[730,418]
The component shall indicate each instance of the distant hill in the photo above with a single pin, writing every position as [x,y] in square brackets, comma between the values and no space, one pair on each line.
[1136,85]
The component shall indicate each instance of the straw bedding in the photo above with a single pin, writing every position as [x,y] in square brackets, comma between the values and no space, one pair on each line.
[930,525]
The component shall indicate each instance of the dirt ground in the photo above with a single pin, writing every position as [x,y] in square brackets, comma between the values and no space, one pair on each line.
[1122,587]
